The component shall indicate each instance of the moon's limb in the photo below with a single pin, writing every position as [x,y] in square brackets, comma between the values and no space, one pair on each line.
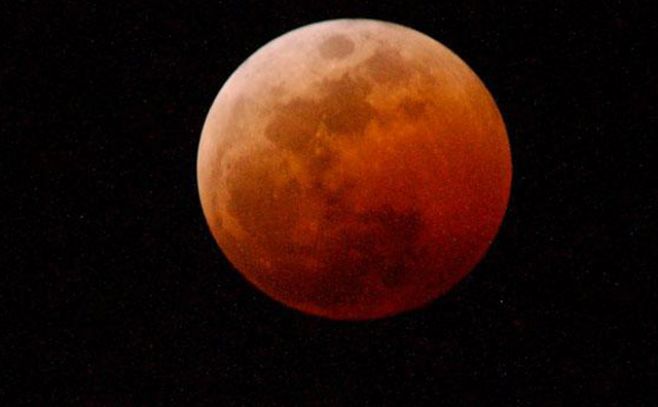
[354,169]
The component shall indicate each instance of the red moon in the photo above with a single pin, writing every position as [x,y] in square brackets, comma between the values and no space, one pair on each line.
[354,169]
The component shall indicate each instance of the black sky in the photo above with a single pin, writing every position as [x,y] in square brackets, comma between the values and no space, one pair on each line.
[116,293]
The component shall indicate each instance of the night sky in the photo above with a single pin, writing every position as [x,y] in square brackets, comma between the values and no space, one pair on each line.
[115,294]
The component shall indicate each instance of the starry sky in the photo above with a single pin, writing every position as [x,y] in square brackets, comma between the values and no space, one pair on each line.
[116,294]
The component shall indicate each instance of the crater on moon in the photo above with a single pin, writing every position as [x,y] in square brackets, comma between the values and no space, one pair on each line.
[356,190]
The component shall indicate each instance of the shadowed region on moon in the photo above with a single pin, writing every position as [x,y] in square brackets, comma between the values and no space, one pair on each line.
[385,66]
[336,46]
[371,189]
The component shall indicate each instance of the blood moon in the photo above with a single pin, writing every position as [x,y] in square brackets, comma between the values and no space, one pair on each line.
[354,169]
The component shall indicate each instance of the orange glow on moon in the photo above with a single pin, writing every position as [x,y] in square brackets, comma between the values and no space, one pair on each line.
[354,169]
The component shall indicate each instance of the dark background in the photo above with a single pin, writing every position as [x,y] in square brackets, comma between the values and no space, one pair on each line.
[115,293]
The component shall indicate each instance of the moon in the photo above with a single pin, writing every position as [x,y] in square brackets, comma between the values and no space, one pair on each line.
[354,169]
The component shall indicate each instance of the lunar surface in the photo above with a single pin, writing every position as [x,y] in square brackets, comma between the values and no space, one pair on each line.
[354,169]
